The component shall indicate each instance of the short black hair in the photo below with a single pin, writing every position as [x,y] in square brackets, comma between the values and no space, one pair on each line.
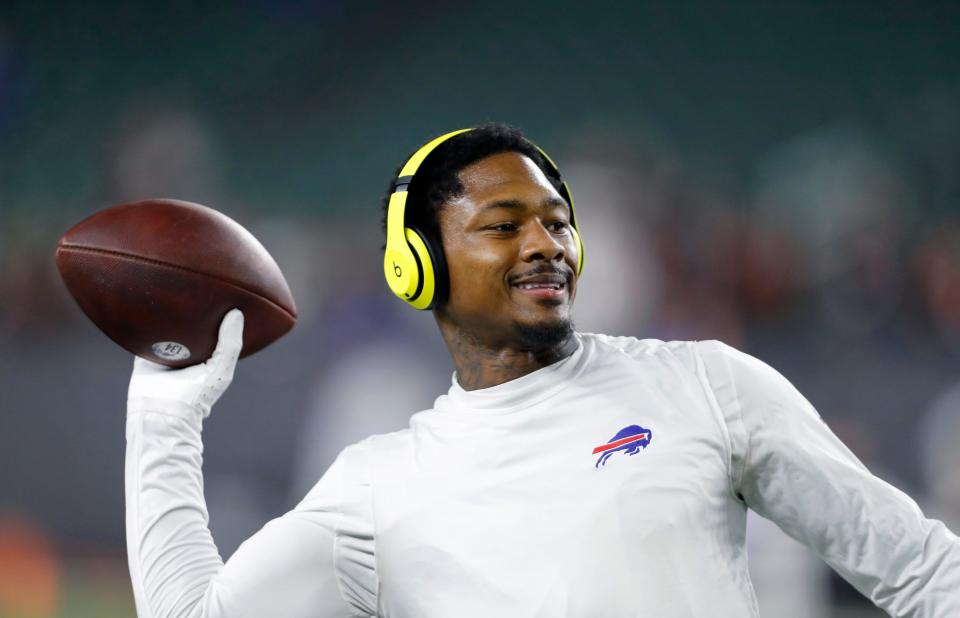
[436,181]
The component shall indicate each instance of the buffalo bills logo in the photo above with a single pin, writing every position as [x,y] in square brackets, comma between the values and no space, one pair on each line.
[629,440]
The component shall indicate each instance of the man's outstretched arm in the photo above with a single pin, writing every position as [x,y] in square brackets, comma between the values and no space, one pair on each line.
[790,468]
[286,569]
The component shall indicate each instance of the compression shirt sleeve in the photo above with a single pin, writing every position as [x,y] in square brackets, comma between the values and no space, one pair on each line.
[312,561]
[789,467]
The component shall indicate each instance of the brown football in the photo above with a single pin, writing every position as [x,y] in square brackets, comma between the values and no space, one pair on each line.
[158,276]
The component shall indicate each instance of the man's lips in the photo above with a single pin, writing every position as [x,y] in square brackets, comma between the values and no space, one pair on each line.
[542,285]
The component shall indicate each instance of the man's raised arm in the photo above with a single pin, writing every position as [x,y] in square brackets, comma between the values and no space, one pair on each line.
[287,569]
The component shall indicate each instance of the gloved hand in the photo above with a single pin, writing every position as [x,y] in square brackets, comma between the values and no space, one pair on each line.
[157,388]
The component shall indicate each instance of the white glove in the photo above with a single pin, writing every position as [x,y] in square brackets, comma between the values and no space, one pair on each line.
[156,388]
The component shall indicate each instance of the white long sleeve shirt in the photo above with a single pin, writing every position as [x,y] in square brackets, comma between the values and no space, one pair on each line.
[613,483]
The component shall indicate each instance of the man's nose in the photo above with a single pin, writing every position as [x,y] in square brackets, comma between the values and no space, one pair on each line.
[539,244]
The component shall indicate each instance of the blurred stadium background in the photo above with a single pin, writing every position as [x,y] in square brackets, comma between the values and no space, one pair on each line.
[784,178]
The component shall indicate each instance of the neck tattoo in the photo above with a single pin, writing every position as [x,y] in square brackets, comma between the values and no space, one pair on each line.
[480,365]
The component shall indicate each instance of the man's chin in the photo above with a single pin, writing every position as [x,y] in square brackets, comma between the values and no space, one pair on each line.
[543,336]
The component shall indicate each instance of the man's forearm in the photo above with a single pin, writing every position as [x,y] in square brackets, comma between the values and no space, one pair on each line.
[171,553]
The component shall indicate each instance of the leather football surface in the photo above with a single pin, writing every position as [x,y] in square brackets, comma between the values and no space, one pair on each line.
[157,277]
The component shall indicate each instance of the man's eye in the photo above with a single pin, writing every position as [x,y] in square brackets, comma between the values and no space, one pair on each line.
[559,226]
[504,227]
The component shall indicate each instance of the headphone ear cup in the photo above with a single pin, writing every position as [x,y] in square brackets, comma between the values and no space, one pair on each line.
[579,241]
[433,269]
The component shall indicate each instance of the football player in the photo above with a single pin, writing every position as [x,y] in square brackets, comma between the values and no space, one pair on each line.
[563,473]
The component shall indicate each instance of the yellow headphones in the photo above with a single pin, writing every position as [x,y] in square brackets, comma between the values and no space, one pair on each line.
[413,265]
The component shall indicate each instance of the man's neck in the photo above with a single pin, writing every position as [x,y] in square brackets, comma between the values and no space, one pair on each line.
[481,364]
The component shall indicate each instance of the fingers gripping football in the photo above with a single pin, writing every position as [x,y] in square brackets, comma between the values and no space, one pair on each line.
[197,387]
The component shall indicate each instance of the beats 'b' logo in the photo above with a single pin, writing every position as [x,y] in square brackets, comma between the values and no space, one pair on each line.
[396,270]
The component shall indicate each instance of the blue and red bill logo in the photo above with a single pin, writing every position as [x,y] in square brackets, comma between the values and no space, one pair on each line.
[629,440]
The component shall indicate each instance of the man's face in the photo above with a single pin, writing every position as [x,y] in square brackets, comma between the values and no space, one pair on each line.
[510,250]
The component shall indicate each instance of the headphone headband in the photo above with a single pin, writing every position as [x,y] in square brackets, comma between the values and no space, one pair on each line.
[414,268]
[413,163]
